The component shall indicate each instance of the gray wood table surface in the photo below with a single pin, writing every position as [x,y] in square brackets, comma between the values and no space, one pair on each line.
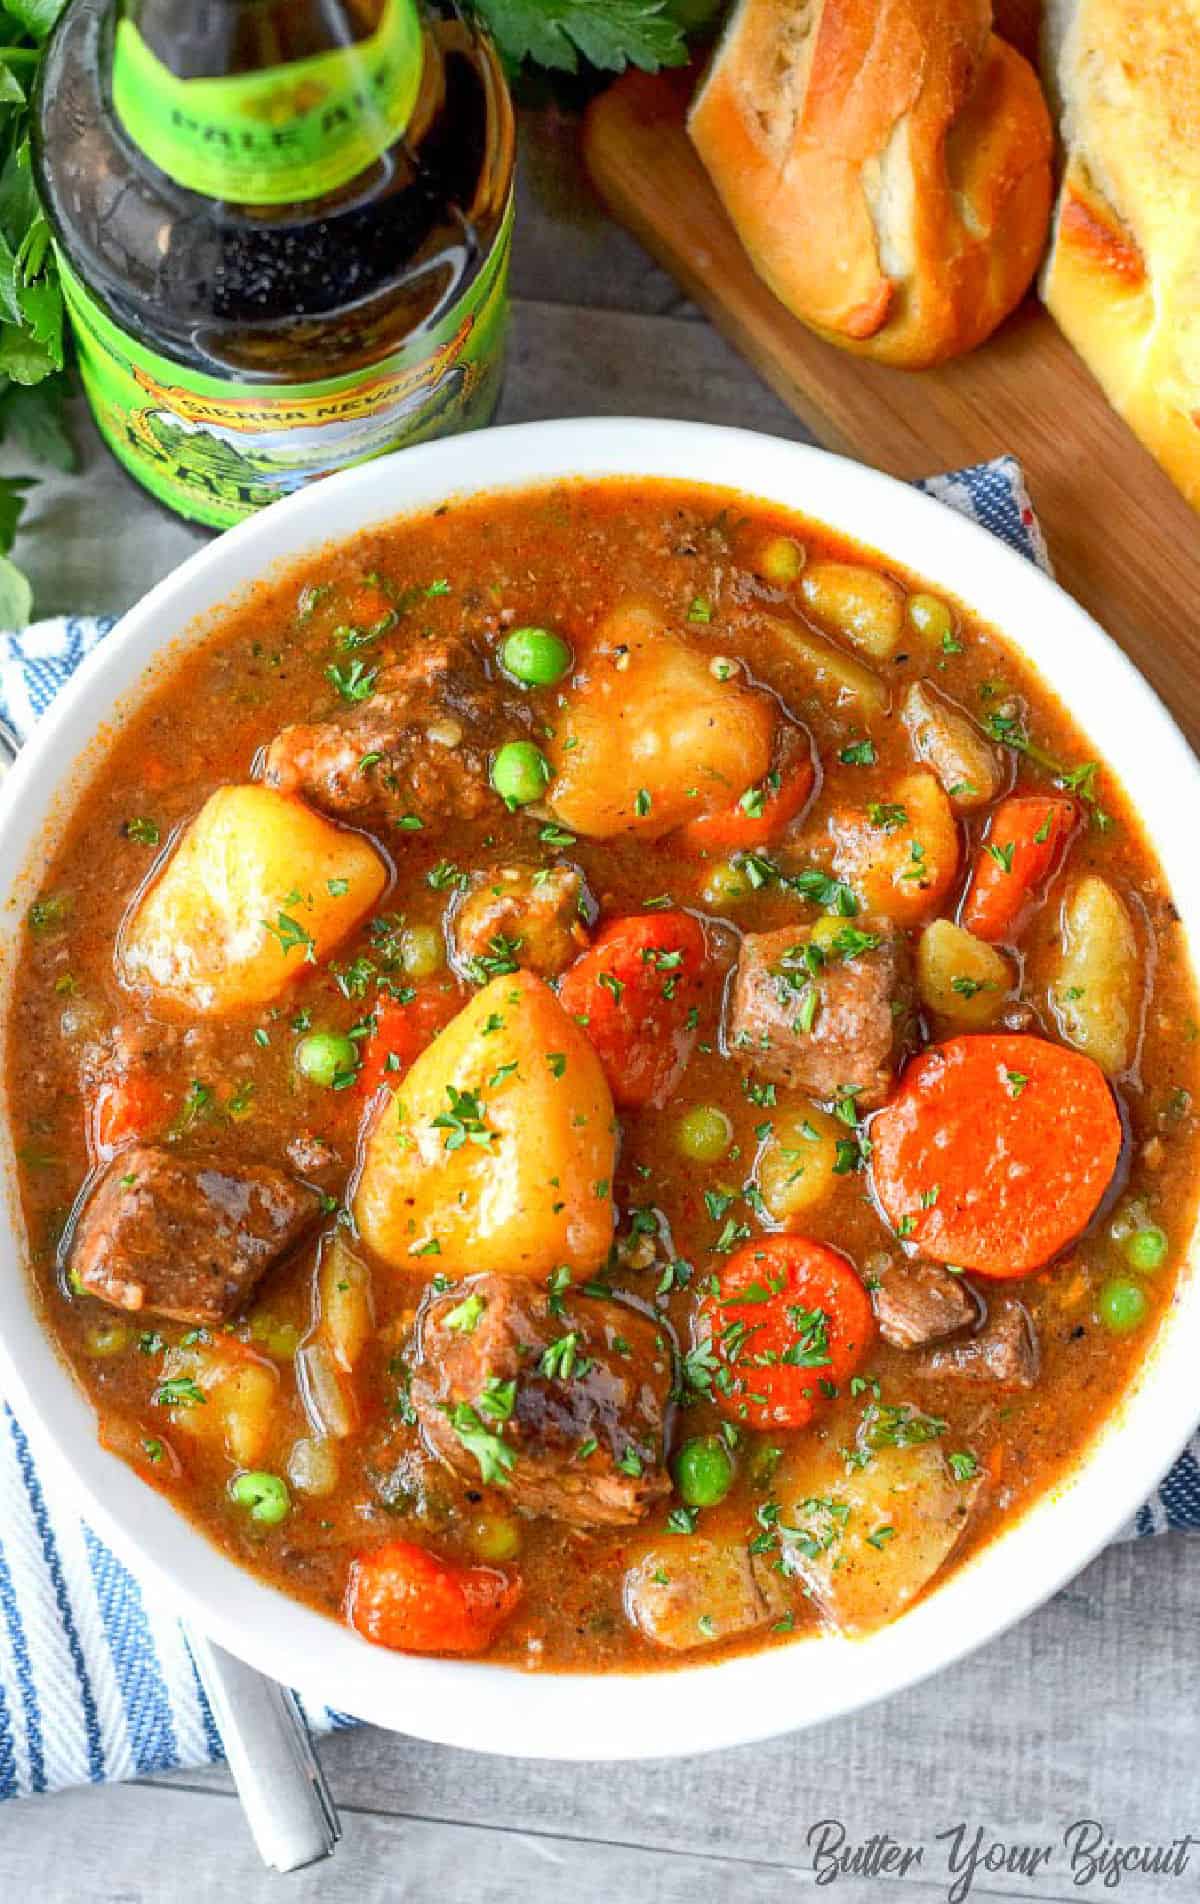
[1087,1710]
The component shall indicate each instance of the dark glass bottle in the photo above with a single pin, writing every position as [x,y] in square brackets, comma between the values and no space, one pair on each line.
[284,230]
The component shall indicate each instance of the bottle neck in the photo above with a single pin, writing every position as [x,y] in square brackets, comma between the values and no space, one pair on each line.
[197,39]
[266,102]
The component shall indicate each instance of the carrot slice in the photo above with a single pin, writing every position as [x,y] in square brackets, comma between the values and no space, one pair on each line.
[403,1028]
[790,1323]
[765,809]
[1024,845]
[400,1595]
[995,1151]
[635,994]
[127,1107]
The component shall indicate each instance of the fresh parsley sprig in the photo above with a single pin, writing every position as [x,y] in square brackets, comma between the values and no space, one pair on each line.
[32,382]
[610,34]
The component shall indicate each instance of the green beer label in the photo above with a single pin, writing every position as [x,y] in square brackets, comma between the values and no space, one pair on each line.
[216,449]
[281,135]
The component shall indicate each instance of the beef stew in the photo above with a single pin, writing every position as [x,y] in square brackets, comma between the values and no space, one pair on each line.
[600,1079]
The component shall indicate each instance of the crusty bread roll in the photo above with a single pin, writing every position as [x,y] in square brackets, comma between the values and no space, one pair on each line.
[886,163]
[1123,274]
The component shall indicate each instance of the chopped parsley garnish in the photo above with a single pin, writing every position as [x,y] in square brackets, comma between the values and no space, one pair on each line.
[179,1391]
[860,753]
[833,894]
[495,1458]
[465,1316]
[48,914]
[1010,731]
[354,680]
[498,1398]
[465,1121]
[290,934]
[884,1426]
[499,959]
[561,1359]
[886,815]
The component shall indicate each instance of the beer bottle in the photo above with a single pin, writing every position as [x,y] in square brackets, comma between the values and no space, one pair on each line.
[283,229]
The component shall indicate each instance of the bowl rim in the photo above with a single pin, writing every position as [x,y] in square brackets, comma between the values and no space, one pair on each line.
[699,1706]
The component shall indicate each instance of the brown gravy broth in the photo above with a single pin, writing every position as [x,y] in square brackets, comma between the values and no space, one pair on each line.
[564,558]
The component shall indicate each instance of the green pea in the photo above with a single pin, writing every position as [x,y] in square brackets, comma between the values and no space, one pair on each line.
[520,772]
[325,1056]
[265,1495]
[535,656]
[704,1471]
[725,885]
[1122,1305]
[930,616]
[704,1133]
[495,1537]
[1147,1248]
[421,951]
[106,1338]
[781,560]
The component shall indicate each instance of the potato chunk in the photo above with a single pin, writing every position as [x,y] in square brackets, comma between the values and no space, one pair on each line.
[798,1163]
[867,1542]
[497,1150]
[1095,992]
[948,742]
[650,737]
[899,855]
[695,1592]
[258,886]
[856,602]
[840,675]
[221,1393]
[344,1292]
[960,977]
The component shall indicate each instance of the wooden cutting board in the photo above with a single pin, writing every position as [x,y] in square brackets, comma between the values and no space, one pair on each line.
[1122,539]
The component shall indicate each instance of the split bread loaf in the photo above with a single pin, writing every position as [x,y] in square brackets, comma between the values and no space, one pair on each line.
[886,164]
[1123,274]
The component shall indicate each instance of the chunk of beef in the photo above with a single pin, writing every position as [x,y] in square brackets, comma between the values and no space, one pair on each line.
[1005,1351]
[696,1592]
[418,745]
[527,914]
[918,1302]
[855,1035]
[186,1237]
[587,1426]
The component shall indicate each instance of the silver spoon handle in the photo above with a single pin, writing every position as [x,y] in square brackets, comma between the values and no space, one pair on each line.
[287,1803]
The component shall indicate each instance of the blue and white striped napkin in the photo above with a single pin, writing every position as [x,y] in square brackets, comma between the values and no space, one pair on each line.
[96,1681]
